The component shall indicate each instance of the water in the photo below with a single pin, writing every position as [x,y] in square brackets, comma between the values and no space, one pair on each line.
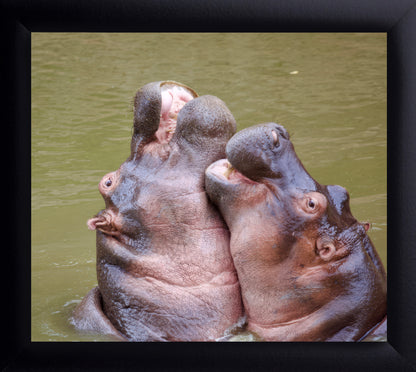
[328,90]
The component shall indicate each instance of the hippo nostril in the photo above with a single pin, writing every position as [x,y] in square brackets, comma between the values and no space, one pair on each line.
[284,134]
[282,131]
[275,138]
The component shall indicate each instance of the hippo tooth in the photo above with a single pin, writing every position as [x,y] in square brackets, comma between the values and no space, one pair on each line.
[230,169]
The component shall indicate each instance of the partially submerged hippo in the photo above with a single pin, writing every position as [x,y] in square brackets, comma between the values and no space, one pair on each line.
[307,269]
[164,268]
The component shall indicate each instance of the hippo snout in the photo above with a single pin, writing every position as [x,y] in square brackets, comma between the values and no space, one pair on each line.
[253,150]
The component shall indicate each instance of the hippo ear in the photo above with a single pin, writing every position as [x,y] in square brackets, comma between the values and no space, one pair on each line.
[366,225]
[325,249]
[339,200]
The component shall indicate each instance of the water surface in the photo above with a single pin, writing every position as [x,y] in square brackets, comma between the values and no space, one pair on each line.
[328,90]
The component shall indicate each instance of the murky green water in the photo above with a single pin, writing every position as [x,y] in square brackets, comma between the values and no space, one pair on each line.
[328,90]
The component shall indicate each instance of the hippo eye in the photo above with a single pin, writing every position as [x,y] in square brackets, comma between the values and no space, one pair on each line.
[311,204]
[108,183]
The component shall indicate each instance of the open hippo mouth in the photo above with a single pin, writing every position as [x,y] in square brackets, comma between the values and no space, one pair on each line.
[174,97]
[250,153]
[225,172]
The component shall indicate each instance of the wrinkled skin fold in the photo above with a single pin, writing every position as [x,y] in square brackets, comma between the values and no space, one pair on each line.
[164,268]
[307,268]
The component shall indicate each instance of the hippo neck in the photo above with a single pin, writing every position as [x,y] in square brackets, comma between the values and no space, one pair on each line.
[342,316]
[324,324]
[314,326]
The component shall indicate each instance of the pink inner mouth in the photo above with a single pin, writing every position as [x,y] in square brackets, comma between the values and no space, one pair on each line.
[225,170]
[174,97]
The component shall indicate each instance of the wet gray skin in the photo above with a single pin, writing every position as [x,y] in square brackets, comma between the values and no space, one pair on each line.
[307,268]
[164,268]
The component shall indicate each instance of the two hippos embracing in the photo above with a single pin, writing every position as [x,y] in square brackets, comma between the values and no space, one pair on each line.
[204,230]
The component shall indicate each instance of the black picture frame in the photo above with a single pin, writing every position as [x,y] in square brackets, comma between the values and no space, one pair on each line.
[396,18]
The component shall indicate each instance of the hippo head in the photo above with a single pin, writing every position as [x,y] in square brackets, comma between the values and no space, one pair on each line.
[306,266]
[176,134]
[163,262]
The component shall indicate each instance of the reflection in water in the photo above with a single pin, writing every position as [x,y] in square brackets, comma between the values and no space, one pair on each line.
[82,91]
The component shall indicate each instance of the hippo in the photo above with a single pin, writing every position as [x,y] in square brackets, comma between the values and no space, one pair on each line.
[307,269]
[164,269]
